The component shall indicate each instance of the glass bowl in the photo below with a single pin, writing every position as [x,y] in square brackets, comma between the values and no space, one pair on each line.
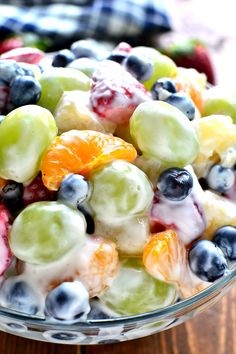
[117,329]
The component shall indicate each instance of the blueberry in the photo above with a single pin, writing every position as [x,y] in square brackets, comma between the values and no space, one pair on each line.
[9,69]
[207,261]
[97,312]
[117,57]
[24,90]
[175,183]
[89,48]
[63,58]
[140,67]
[26,69]
[88,218]
[220,178]
[11,194]
[225,238]
[181,101]
[74,190]
[18,295]
[69,301]
[160,85]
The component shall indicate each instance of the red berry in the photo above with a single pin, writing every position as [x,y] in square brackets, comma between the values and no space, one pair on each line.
[116,93]
[25,55]
[193,54]
[5,252]
[36,191]
[10,43]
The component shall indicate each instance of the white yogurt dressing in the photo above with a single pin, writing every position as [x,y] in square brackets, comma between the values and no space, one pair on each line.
[185,216]
[74,265]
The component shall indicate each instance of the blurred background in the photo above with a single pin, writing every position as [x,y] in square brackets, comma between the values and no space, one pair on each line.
[164,24]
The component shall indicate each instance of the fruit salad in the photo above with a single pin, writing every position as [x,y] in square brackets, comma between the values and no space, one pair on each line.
[117,182]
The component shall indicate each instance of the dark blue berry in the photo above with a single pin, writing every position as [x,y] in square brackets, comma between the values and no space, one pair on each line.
[97,312]
[220,178]
[140,67]
[181,101]
[225,238]
[24,90]
[18,295]
[26,69]
[117,57]
[11,194]
[89,49]
[69,301]
[74,190]
[88,218]
[63,58]
[64,336]
[207,261]
[9,69]
[175,183]
[160,85]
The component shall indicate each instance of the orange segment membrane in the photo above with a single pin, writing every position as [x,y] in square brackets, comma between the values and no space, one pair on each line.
[193,83]
[165,258]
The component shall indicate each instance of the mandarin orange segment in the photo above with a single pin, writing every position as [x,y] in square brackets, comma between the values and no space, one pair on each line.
[193,83]
[81,151]
[101,268]
[164,256]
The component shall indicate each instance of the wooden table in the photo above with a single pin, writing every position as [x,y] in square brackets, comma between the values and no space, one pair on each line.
[213,332]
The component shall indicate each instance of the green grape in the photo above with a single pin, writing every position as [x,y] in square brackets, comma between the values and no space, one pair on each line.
[85,65]
[134,291]
[219,100]
[72,112]
[55,81]
[130,236]
[44,231]
[120,190]
[25,134]
[163,133]
[163,65]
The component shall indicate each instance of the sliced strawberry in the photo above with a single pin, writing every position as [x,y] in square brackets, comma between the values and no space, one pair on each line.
[25,54]
[5,252]
[36,191]
[115,93]
[10,43]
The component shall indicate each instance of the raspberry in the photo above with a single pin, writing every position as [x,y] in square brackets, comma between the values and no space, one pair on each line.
[36,191]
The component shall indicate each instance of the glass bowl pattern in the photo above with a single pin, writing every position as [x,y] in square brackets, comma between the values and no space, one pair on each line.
[117,329]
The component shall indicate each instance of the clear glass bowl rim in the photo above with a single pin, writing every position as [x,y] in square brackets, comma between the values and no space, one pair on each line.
[157,315]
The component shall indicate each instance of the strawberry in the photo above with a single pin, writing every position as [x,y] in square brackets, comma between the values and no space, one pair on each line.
[25,55]
[5,252]
[115,93]
[10,43]
[36,191]
[192,54]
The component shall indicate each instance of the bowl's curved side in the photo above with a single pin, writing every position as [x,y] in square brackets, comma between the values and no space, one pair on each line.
[118,329]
